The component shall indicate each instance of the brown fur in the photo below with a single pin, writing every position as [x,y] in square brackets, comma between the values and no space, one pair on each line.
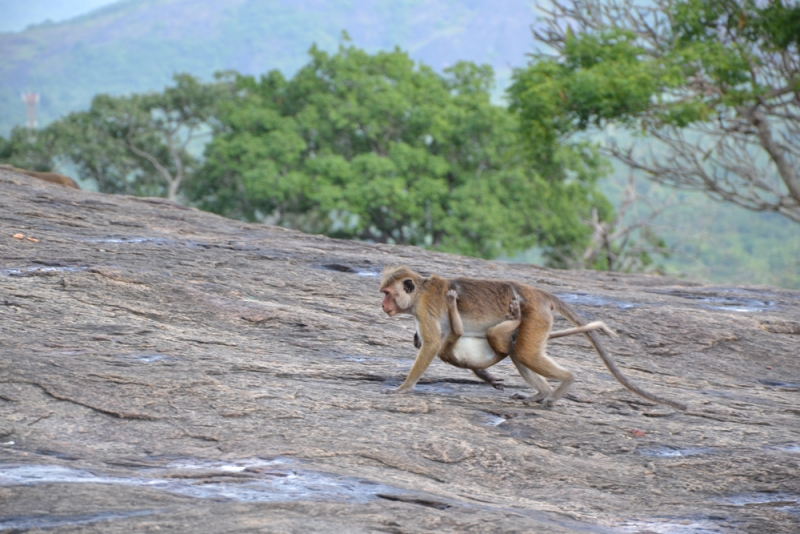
[500,337]
[594,325]
[52,177]
[483,305]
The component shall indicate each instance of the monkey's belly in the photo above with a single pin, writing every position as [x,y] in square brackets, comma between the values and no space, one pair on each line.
[474,353]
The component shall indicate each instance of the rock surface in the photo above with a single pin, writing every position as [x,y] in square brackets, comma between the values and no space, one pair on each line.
[165,369]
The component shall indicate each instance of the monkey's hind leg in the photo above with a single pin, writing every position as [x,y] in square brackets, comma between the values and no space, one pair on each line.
[501,336]
[530,353]
[456,326]
[538,383]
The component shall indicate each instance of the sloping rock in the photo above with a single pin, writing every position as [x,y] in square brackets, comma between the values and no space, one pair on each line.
[165,368]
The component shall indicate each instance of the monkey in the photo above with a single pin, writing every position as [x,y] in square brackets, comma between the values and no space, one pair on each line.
[51,177]
[500,337]
[483,306]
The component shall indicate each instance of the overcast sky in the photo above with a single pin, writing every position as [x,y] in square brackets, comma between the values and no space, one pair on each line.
[19,14]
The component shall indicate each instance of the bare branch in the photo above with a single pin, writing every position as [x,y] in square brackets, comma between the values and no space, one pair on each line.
[163,171]
[747,155]
[620,244]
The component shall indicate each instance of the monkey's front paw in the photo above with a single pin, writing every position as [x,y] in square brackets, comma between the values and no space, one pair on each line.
[451,297]
[514,312]
[497,383]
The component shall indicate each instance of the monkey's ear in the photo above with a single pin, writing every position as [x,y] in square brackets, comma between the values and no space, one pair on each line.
[408,285]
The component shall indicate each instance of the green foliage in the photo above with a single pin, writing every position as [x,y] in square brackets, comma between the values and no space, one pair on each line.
[600,77]
[29,149]
[773,24]
[375,147]
[609,75]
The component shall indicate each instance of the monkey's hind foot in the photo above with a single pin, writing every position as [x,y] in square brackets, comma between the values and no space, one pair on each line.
[514,313]
[496,383]
[539,397]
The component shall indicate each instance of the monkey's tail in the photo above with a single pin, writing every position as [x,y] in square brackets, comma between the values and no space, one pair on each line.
[564,309]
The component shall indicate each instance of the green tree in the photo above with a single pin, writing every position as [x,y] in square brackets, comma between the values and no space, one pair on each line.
[85,143]
[138,144]
[156,130]
[713,84]
[375,147]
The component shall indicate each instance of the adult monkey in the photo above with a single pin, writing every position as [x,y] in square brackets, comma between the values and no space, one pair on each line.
[482,306]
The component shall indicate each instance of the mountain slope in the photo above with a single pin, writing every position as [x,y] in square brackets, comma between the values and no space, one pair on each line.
[163,366]
[19,15]
[137,45]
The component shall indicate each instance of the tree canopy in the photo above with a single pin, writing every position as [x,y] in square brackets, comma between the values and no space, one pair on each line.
[376,147]
[715,83]
[355,145]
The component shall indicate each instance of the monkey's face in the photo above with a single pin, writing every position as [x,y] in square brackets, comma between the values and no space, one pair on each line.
[398,297]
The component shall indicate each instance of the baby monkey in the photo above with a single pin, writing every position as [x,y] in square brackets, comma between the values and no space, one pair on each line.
[500,337]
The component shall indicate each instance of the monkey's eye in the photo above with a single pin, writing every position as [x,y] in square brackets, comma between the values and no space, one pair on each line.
[408,286]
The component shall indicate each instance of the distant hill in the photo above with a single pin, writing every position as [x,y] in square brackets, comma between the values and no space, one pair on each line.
[136,45]
[19,15]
